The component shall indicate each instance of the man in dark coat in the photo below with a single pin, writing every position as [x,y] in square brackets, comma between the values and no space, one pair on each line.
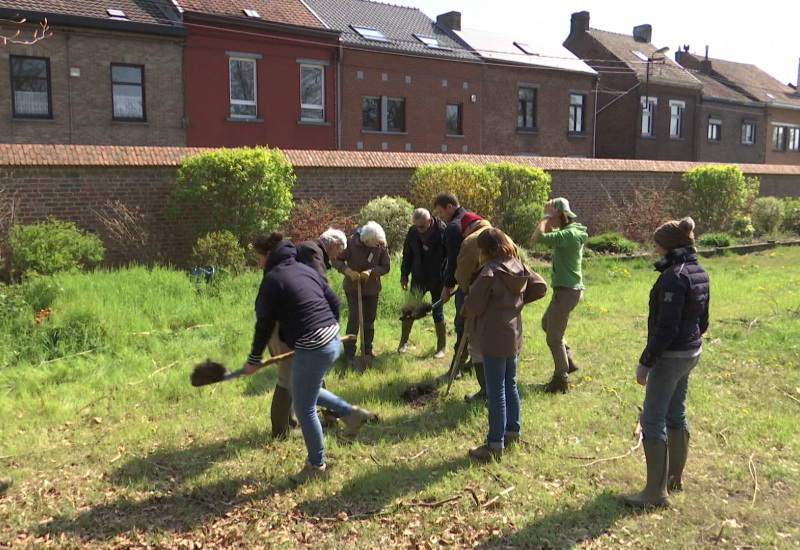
[424,257]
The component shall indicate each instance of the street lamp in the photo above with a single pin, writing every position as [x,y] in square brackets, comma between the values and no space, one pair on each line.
[650,59]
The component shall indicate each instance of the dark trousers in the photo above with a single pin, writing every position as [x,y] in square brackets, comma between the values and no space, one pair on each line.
[458,320]
[370,305]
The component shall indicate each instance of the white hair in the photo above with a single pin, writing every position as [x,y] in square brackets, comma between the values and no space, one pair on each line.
[372,234]
[421,214]
[334,236]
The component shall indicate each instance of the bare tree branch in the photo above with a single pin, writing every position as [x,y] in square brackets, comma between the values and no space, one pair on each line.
[15,35]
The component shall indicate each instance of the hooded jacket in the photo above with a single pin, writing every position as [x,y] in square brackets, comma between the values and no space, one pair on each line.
[359,256]
[312,253]
[424,257]
[500,289]
[293,295]
[678,305]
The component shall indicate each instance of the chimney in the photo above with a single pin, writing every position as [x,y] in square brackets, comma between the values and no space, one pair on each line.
[642,33]
[451,20]
[705,64]
[579,23]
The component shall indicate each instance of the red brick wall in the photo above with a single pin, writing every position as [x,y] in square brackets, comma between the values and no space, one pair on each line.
[70,182]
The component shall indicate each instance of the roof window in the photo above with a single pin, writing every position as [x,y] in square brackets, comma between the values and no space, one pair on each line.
[251,13]
[526,48]
[370,34]
[116,14]
[640,55]
[431,42]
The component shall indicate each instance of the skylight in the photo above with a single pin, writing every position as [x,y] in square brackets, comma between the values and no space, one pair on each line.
[430,41]
[115,13]
[251,13]
[640,55]
[370,34]
[526,48]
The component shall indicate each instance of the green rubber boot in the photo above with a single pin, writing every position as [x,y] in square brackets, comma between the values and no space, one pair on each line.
[678,446]
[655,492]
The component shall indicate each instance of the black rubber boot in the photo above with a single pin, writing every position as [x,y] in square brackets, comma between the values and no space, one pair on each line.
[678,446]
[655,492]
[480,395]
[405,332]
[441,340]
[281,411]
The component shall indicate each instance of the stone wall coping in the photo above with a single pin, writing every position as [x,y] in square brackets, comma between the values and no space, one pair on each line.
[31,155]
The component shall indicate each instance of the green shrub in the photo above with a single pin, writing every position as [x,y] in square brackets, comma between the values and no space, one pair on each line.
[714,240]
[220,249]
[743,228]
[476,187]
[393,214]
[791,215]
[51,246]
[309,218]
[767,214]
[244,191]
[716,195]
[611,243]
[520,204]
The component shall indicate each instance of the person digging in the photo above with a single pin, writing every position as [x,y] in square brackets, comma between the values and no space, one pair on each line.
[424,257]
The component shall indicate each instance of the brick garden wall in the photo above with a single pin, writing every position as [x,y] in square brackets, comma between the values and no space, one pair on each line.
[74,182]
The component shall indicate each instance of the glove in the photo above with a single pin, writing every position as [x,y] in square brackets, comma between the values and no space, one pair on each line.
[641,374]
[364,276]
[352,274]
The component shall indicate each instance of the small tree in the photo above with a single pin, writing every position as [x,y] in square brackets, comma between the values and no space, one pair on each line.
[244,191]
[475,186]
[393,214]
[309,218]
[520,204]
[716,195]
[767,214]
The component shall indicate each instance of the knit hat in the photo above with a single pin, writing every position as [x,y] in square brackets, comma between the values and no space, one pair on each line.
[562,205]
[675,234]
[467,219]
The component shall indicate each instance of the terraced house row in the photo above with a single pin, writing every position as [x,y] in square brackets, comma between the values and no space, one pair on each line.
[363,75]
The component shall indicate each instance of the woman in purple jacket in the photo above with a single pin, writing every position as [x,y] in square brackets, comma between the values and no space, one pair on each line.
[678,318]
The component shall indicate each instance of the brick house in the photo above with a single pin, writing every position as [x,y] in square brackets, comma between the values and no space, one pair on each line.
[769,127]
[646,103]
[407,84]
[259,72]
[533,103]
[111,73]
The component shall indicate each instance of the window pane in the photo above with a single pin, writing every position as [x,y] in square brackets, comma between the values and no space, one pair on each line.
[26,68]
[30,84]
[453,119]
[311,86]
[130,75]
[242,80]
[128,101]
[243,110]
[527,94]
[370,113]
[394,115]
[311,114]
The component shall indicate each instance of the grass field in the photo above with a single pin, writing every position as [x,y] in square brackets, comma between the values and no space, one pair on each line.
[111,447]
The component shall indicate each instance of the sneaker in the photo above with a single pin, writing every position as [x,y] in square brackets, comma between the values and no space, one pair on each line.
[309,472]
[5,483]
[353,421]
[485,453]
[557,385]
[403,347]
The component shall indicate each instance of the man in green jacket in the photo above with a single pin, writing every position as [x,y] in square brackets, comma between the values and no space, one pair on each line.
[560,231]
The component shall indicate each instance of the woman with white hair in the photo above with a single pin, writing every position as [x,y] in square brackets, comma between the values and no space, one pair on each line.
[363,262]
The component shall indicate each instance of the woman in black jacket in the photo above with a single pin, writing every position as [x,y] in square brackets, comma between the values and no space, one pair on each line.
[678,318]
[307,312]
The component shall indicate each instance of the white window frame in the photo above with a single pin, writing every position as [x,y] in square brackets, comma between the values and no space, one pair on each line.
[676,108]
[714,130]
[577,112]
[748,132]
[793,139]
[648,110]
[313,107]
[779,137]
[246,102]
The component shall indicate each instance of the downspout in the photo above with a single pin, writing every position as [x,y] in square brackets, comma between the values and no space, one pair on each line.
[69,89]
[339,98]
[594,124]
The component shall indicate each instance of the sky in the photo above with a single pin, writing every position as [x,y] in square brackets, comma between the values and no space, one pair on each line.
[765,35]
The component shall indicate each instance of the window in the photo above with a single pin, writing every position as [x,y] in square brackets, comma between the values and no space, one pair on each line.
[526,108]
[370,34]
[577,103]
[30,87]
[312,97]
[243,87]
[714,129]
[431,42]
[525,48]
[127,92]
[748,133]
[793,142]
[779,138]
[648,108]
[676,118]
[382,114]
[453,120]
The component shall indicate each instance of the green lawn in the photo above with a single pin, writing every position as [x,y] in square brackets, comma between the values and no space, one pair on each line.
[111,447]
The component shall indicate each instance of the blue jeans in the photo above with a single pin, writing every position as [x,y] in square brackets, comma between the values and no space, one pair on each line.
[458,320]
[501,389]
[308,370]
[665,397]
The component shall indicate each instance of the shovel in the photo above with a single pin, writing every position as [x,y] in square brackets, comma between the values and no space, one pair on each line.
[455,365]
